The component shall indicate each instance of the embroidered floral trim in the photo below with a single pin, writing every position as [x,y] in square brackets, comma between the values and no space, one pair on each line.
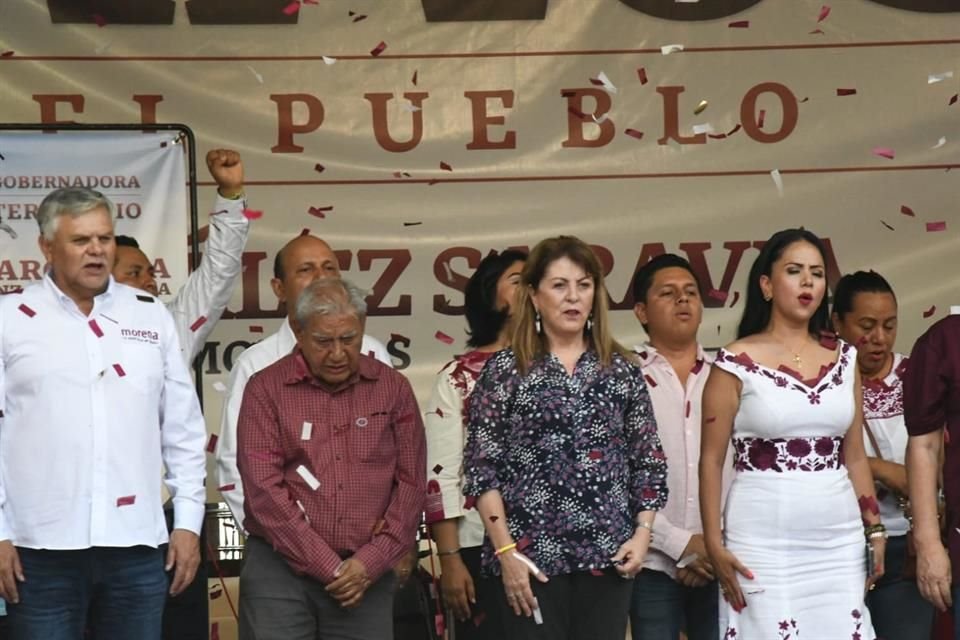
[858,622]
[882,400]
[787,454]
[788,629]
[786,378]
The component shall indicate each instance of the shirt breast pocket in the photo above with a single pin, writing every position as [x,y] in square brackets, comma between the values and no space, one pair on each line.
[141,368]
[372,439]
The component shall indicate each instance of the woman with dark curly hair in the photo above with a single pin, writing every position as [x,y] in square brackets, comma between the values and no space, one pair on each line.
[801,515]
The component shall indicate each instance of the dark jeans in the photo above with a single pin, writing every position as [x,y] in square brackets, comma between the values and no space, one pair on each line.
[662,607]
[486,622]
[575,606]
[277,604]
[897,609]
[118,590]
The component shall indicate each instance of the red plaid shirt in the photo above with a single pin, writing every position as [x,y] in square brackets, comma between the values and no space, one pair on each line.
[363,442]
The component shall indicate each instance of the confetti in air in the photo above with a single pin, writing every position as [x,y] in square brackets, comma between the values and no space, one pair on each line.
[255,74]
[641,74]
[328,60]
[667,49]
[442,337]
[252,214]
[320,212]
[883,152]
[929,312]
[846,92]
[701,107]
[739,24]
[824,12]
[907,211]
[936,226]
[633,133]
[292,8]
[934,78]
[377,50]
[777,180]
[319,168]
[445,166]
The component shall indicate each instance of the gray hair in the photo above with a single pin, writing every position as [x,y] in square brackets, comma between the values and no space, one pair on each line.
[330,296]
[71,201]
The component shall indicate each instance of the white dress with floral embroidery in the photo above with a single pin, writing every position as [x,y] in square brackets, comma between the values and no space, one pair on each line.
[792,515]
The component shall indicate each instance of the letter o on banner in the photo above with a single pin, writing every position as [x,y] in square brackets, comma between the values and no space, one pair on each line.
[689,11]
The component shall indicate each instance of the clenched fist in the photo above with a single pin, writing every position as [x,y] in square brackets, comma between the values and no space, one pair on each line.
[226,167]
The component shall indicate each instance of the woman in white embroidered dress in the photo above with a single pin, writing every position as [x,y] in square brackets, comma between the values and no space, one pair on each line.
[791,556]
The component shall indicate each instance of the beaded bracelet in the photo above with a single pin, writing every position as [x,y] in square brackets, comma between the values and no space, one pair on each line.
[872,529]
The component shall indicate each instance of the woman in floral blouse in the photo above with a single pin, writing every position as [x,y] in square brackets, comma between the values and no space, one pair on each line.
[563,456]
[457,531]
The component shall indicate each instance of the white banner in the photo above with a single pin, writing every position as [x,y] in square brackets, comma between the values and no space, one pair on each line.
[144,175]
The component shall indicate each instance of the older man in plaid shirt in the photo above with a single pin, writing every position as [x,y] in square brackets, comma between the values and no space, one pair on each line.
[332,456]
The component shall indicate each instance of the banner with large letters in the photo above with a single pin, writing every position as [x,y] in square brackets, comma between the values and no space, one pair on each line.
[416,147]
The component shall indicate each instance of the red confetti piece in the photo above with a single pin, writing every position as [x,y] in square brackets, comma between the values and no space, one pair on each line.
[227,487]
[470,502]
[761,118]
[937,226]
[716,294]
[650,381]
[377,50]
[414,78]
[445,166]
[594,455]
[212,443]
[494,518]
[438,411]
[846,92]
[815,31]
[805,99]
[215,631]
[252,214]
[596,572]
[255,328]
[687,412]
[119,370]
[292,8]
[883,152]
[523,543]
[97,331]
[633,133]
[710,420]
[907,211]
[824,12]
[199,322]
[351,13]
[442,337]
[929,312]
[123,501]
[6,54]
[27,311]
[438,468]
[736,297]
[739,24]
[320,212]
[359,18]
[99,20]
[642,74]
[953,100]
[596,82]
[319,168]
[11,291]
[411,224]
[217,592]
[401,174]
[887,226]
[304,232]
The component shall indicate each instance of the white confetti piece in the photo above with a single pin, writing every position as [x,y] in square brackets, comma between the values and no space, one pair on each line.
[702,128]
[328,60]
[409,106]
[687,561]
[667,49]
[607,85]
[219,387]
[777,180]
[307,431]
[942,141]
[934,78]
[308,477]
[255,74]
[537,616]
[600,120]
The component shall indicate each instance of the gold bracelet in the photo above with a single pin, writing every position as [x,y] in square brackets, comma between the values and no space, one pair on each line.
[645,525]
[502,550]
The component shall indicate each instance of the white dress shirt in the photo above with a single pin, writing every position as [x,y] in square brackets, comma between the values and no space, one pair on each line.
[258,357]
[677,410]
[208,289]
[89,408]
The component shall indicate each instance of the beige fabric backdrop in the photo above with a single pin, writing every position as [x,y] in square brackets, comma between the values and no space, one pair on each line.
[631,196]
